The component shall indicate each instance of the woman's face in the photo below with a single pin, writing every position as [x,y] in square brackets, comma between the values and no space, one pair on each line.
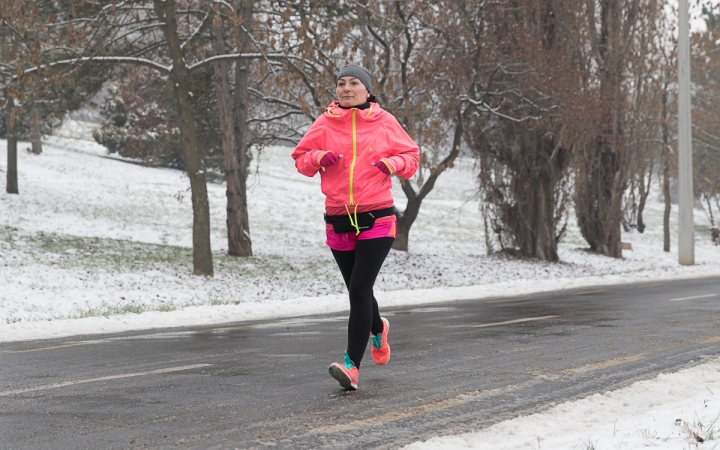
[351,92]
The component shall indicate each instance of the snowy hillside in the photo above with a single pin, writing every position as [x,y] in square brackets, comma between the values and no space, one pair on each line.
[92,236]
[93,244]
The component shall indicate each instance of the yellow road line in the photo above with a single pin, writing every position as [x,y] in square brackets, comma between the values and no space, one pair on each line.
[604,364]
[425,408]
[710,340]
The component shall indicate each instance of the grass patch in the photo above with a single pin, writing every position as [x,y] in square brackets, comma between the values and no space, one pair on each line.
[93,253]
[701,431]
[272,266]
[586,445]
[122,307]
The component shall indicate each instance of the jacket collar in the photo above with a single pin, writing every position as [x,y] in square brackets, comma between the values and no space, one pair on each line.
[335,111]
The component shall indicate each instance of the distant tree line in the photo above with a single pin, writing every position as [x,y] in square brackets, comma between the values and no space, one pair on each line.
[565,105]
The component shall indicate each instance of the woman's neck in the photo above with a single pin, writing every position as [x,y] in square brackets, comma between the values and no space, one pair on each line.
[365,105]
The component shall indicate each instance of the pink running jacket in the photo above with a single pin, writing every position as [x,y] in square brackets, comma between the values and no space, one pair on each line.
[361,137]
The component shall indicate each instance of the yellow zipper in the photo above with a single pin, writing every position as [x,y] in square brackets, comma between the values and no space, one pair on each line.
[354,158]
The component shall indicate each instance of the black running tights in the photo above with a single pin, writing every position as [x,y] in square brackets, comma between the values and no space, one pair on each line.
[360,268]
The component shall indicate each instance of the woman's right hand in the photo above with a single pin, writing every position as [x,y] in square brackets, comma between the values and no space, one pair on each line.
[329,159]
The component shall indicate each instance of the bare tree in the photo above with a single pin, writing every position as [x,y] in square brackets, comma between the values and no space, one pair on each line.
[706,130]
[668,157]
[408,45]
[11,186]
[405,45]
[523,133]
[173,39]
[647,74]
[244,11]
[601,175]
[34,101]
[179,75]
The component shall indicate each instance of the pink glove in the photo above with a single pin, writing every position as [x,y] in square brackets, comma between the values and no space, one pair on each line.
[329,159]
[382,167]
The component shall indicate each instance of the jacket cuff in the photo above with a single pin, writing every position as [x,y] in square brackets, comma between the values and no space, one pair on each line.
[316,159]
[388,166]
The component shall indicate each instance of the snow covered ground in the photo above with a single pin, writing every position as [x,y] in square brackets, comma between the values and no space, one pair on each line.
[672,412]
[93,244]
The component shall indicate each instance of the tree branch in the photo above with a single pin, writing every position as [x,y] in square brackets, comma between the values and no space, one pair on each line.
[110,59]
[209,16]
[230,57]
[267,99]
[270,119]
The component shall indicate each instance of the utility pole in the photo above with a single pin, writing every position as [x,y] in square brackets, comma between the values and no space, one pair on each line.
[686,226]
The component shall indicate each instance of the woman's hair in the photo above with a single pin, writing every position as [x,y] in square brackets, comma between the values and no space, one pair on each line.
[372,98]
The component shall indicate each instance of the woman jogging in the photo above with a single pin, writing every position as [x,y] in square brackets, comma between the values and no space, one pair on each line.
[356,146]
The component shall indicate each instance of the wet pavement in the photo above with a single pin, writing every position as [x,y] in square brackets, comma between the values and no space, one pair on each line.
[455,367]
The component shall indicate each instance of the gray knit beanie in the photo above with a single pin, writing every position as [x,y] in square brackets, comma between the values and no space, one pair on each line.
[359,72]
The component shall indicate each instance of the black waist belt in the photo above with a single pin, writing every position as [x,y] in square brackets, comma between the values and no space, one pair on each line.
[357,222]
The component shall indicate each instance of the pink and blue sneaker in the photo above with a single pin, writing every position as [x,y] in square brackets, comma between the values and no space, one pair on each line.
[379,348]
[346,373]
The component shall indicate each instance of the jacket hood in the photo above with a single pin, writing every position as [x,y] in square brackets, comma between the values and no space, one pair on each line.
[374,112]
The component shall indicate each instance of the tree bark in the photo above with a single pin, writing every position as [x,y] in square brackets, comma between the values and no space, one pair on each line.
[36,131]
[644,192]
[235,183]
[192,156]
[12,140]
[603,174]
[666,170]
[666,212]
[406,218]
[537,236]
[598,199]
[545,245]
[240,97]
[538,164]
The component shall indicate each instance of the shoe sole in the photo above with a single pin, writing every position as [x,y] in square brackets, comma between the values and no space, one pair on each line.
[341,377]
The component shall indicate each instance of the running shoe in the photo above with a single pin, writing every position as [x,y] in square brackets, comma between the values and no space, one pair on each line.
[346,373]
[379,348]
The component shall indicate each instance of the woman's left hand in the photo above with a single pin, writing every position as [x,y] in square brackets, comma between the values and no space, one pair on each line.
[382,167]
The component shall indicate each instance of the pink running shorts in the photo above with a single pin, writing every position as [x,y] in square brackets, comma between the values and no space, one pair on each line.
[345,242]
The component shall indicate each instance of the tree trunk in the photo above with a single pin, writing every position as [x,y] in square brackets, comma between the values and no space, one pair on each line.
[710,212]
[529,211]
[666,170]
[12,140]
[235,184]
[598,200]
[644,192]
[666,213]
[640,221]
[192,156]
[407,218]
[36,131]
[242,74]
[603,171]
[535,235]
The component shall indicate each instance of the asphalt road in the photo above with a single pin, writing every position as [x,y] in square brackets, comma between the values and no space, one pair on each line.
[455,367]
